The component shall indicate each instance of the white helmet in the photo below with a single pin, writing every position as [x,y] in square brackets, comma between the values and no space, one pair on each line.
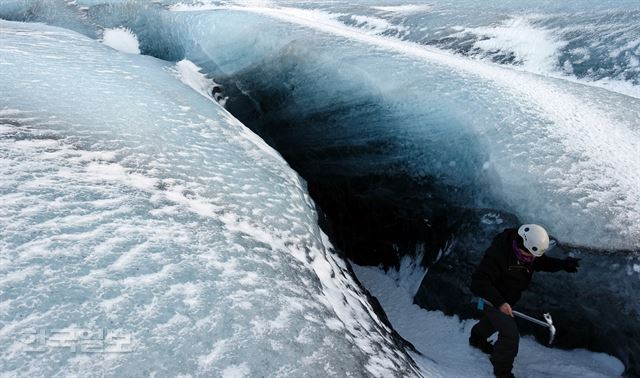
[535,238]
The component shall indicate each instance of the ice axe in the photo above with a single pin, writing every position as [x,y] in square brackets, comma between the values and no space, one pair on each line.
[547,317]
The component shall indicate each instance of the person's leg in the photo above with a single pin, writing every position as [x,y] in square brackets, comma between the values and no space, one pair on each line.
[480,333]
[483,329]
[505,348]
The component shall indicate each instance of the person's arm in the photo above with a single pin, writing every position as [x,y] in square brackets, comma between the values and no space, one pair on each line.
[484,279]
[551,264]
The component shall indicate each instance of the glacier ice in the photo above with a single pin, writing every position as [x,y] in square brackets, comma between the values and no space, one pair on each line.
[599,41]
[139,215]
[542,148]
[127,191]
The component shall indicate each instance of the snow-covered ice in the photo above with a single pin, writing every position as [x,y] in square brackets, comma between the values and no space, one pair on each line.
[404,9]
[534,48]
[145,231]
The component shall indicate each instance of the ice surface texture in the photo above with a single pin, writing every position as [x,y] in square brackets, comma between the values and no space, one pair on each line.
[591,41]
[133,206]
[548,150]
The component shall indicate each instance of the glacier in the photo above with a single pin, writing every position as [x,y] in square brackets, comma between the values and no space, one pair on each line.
[440,128]
[580,161]
[134,206]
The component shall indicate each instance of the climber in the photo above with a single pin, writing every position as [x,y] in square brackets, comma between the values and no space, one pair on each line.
[503,274]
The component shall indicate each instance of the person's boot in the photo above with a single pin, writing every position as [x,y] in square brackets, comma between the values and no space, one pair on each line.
[504,374]
[482,344]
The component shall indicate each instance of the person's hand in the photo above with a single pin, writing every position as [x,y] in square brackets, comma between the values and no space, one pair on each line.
[571,264]
[506,309]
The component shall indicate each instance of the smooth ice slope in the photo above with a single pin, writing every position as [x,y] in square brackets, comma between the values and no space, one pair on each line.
[144,231]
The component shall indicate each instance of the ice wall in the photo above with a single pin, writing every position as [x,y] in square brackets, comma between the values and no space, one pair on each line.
[145,231]
[548,150]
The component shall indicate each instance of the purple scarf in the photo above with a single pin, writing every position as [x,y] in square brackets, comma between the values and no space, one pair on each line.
[525,259]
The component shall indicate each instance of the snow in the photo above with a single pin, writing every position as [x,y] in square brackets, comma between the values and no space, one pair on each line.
[190,74]
[121,39]
[442,340]
[405,8]
[375,24]
[535,48]
[236,371]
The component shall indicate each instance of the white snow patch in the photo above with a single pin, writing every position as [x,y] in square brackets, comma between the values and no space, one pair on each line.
[536,48]
[373,24]
[204,6]
[405,9]
[236,371]
[121,39]
[190,74]
[182,7]
[116,172]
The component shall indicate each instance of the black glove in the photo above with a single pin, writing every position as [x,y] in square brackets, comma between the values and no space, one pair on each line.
[571,264]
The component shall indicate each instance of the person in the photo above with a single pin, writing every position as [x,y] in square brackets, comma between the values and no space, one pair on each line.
[503,274]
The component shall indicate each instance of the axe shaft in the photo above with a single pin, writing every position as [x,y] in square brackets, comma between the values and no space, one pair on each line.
[529,318]
[523,316]
[547,324]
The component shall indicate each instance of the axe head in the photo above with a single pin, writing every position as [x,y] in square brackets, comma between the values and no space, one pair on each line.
[552,328]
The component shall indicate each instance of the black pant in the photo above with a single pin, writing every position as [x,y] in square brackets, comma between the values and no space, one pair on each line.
[505,349]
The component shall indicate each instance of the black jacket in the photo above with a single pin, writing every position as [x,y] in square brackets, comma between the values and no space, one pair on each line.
[501,277]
